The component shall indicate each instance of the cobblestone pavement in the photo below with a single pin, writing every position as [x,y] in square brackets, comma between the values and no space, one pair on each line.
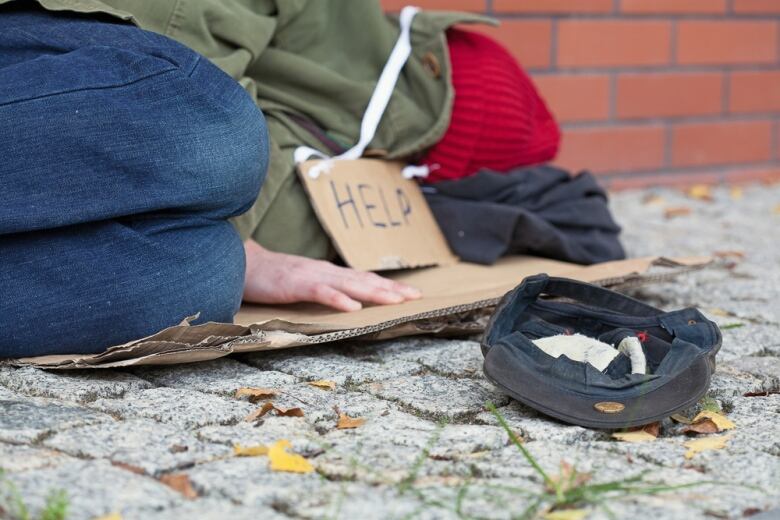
[105,437]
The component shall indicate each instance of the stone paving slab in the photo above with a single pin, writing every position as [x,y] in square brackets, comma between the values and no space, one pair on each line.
[428,449]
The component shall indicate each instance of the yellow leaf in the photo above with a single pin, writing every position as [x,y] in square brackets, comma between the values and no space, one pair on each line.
[720,421]
[705,444]
[250,451]
[346,422]
[634,436]
[324,384]
[257,394]
[567,514]
[736,193]
[776,210]
[110,516]
[700,192]
[281,460]
[720,312]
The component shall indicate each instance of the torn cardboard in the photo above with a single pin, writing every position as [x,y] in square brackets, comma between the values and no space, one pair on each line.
[457,300]
[376,219]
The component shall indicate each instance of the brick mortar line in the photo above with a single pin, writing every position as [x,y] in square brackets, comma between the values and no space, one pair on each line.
[630,17]
[666,68]
[675,172]
[676,121]
[726,94]
[612,113]
[554,44]
[776,139]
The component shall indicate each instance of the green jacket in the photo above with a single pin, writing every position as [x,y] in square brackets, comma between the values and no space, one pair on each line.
[311,66]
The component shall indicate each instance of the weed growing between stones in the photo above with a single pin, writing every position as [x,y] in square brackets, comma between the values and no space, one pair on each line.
[12,504]
[572,489]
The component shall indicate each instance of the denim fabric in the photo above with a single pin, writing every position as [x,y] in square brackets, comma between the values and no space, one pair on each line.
[123,154]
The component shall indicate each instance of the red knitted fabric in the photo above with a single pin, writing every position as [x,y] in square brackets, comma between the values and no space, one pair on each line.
[499,120]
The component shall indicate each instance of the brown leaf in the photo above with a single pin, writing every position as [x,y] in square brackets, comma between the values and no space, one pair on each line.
[653,429]
[677,211]
[178,448]
[128,467]
[346,422]
[255,395]
[180,482]
[324,384]
[702,426]
[721,422]
[267,407]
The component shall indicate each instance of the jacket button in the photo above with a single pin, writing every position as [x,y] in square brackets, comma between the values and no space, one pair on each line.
[431,62]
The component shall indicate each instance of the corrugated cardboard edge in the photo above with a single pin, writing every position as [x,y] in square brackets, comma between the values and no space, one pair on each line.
[188,344]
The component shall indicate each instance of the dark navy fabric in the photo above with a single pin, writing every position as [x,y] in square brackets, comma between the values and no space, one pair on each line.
[123,155]
[540,211]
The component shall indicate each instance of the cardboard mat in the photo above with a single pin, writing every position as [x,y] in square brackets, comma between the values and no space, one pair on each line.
[457,301]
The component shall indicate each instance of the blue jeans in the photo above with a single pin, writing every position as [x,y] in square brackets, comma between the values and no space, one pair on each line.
[122,155]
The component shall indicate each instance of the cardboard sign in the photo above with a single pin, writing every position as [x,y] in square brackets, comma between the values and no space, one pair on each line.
[377,219]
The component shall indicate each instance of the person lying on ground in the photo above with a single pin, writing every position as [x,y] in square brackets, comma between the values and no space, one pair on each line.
[139,133]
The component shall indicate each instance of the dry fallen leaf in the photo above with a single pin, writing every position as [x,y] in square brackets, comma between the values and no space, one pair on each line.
[110,516]
[256,395]
[720,312]
[702,426]
[776,210]
[281,460]
[180,482]
[257,450]
[677,211]
[705,444]
[566,514]
[653,200]
[128,467]
[346,422]
[736,193]
[700,192]
[729,254]
[324,384]
[646,433]
[267,407]
[719,420]
[634,436]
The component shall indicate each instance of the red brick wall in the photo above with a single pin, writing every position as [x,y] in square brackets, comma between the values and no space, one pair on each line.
[651,91]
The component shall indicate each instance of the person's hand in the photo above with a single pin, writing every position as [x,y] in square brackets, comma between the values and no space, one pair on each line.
[274,278]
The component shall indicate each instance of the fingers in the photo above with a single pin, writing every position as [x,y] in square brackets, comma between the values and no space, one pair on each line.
[327,295]
[370,287]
